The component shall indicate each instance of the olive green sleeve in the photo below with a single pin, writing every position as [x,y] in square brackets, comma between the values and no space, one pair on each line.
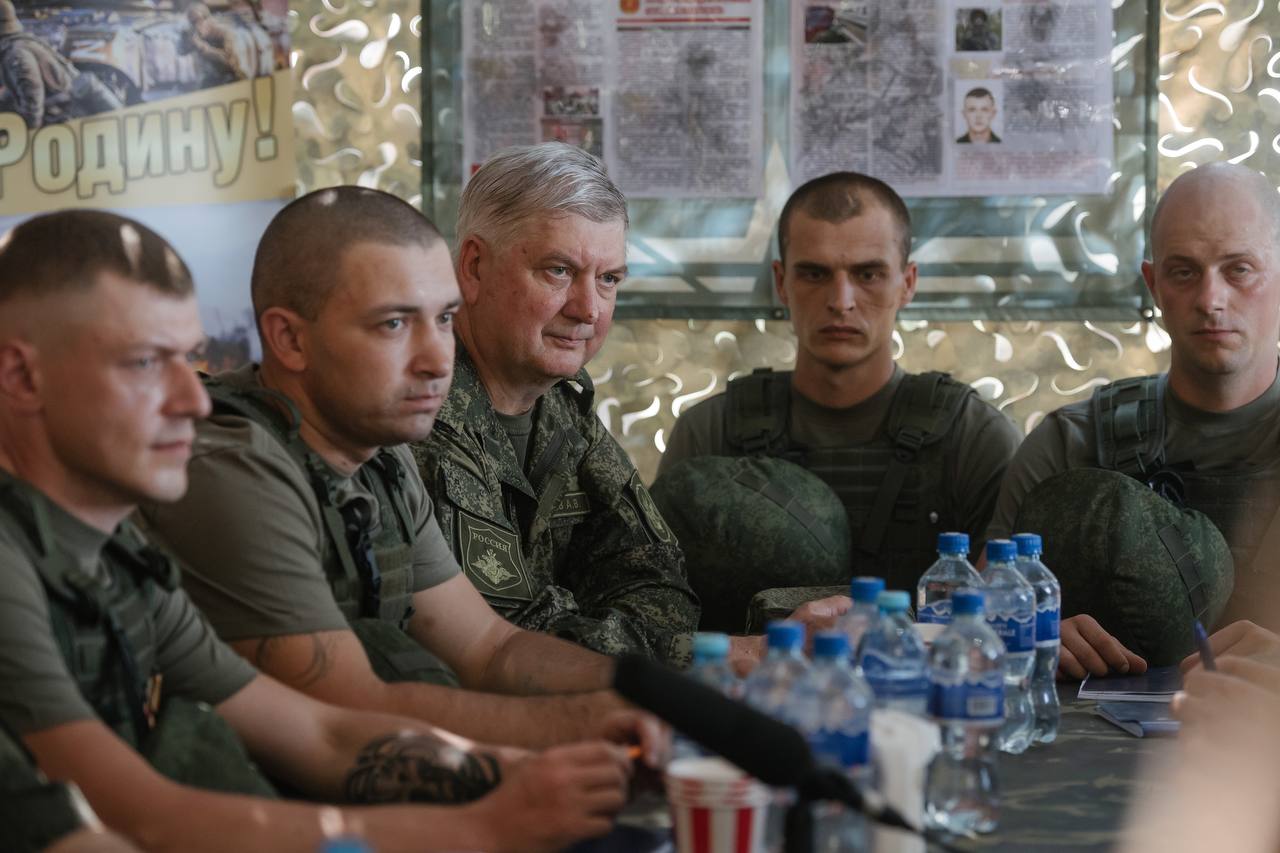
[984,441]
[248,533]
[699,431]
[1039,457]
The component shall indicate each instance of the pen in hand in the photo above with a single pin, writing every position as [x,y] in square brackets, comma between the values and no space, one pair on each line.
[1206,651]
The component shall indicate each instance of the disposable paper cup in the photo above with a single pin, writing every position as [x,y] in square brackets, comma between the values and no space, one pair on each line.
[715,807]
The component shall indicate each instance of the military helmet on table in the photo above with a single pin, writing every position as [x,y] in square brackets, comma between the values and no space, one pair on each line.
[1142,566]
[748,524]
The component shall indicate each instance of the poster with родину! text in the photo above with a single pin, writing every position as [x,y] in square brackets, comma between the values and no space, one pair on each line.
[173,112]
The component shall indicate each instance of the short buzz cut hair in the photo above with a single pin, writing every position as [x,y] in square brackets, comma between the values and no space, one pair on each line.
[67,250]
[297,262]
[979,92]
[839,196]
[518,184]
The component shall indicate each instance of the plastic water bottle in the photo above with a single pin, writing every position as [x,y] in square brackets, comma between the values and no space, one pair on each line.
[966,698]
[834,714]
[710,667]
[864,612]
[892,657]
[951,572]
[1011,610]
[1044,691]
[772,686]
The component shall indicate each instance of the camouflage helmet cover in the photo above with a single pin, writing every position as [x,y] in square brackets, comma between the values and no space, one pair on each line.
[747,524]
[1131,559]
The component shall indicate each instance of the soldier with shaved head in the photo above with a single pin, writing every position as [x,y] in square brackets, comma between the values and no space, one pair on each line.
[1205,435]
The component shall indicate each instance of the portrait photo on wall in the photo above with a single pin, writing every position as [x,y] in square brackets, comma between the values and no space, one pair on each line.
[977,109]
[978,29]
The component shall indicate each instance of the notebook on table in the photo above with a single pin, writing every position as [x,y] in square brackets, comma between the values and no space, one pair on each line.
[1140,719]
[1155,685]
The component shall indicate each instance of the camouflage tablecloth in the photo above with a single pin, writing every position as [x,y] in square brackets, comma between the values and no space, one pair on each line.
[1072,794]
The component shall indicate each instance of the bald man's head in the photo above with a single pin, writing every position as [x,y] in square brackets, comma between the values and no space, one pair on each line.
[1214,183]
[297,262]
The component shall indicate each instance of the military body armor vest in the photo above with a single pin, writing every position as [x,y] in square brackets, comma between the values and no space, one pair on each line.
[101,625]
[367,560]
[1242,503]
[891,486]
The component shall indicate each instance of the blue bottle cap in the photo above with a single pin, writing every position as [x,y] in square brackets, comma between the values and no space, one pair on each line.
[967,601]
[1029,544]
[708,645]
[865,590]
[345,845]
[894,601]
[953,543]
[830,644]
[1001,551]
[784,634]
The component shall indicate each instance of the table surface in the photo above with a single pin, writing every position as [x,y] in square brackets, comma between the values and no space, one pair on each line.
[1072,794]
[1069,795]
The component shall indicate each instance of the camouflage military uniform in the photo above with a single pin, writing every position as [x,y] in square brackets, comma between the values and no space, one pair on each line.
[574,546]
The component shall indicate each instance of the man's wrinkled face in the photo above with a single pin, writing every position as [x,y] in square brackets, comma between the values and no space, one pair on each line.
[545,300]
[1215,275]
[844,283]
[978,113]
[380,352]
[120,397]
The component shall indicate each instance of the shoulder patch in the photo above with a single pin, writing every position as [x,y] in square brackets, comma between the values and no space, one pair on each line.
[649,511]
[491,558]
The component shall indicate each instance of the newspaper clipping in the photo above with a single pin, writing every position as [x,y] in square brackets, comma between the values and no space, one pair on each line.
[669,94]
[955,98]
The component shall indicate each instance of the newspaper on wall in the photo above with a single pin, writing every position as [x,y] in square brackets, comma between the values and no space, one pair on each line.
[668,94]
[954,98]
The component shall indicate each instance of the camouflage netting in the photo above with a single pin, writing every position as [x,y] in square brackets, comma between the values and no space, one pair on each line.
[749,524]
[1130,559]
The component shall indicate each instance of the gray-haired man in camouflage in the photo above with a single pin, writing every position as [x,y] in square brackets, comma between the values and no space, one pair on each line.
[543,509]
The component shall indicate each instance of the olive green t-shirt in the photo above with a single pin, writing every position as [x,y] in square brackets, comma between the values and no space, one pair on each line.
[518,428]
[39,691]
[1247,437]
[252,539]
[976,450]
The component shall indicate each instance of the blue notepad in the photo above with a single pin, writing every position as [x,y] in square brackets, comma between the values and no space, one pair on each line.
[1140,719]
[1155,685]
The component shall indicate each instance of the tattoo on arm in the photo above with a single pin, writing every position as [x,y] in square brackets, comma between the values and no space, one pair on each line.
[317,668]
[419,768]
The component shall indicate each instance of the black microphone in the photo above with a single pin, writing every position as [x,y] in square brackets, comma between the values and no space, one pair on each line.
[773,752]
[763,747]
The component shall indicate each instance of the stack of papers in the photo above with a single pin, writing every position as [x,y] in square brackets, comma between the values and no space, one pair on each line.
[1139,704]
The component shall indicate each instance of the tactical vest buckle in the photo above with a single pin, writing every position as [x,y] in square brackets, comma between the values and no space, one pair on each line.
[907,444]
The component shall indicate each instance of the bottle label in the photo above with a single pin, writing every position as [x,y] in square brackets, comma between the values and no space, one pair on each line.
[841,749]
[936,613]
[1047,624]
[976,697]
[889,681]
[1018,633]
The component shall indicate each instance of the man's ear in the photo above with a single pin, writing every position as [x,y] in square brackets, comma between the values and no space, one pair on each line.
[21,382]
[909,278]
[779,282]
[473,255]
[284,337]
[1149,276]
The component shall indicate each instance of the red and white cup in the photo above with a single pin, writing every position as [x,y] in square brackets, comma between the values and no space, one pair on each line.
[715,807]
